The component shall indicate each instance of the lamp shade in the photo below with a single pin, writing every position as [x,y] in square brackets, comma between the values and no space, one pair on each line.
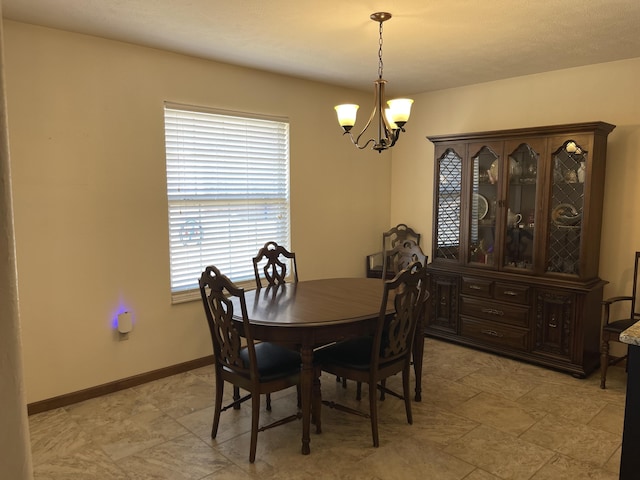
[347,114]
[400,109]
[389,117]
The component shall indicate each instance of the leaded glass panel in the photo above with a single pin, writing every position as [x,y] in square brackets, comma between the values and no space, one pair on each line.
[567,202]
[448,218]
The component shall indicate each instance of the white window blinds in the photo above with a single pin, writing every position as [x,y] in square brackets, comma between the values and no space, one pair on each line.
[228,192]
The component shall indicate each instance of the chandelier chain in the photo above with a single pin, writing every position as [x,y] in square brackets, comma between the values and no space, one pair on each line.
[380,53]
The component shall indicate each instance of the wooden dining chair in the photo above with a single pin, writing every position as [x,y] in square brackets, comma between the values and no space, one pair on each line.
[400,256]
[275,267]
[273,259]
[390,239]
[259,368]
[397,259]
[372,359]
[397,234]
[612,328]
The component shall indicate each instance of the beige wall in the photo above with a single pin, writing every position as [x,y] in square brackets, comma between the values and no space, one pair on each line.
[15,460]
[607,92]
[86,132]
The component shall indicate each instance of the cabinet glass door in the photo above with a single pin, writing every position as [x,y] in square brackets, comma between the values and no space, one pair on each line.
[483,205]
[518,248]
[448,206]
[569,164]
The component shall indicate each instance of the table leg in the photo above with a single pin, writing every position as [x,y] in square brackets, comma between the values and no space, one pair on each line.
[306,384]
[316,401]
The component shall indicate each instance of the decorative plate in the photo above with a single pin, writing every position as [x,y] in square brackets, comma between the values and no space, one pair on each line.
[481,204]
[565,214]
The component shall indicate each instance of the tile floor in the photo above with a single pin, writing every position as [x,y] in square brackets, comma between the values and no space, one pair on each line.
[482,417]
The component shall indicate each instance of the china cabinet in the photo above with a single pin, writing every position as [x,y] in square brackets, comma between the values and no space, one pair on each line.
[516,242]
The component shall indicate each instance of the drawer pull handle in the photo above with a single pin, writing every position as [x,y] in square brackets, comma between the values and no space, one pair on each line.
[475,287]
[493,311]
[553,323]
[510,293]
[492,333]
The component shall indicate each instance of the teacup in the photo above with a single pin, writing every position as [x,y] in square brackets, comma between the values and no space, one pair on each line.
[513,218]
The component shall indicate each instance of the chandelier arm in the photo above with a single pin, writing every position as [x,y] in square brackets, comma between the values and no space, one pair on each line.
[385,132]
[355,141]
[395,136]
[380,100]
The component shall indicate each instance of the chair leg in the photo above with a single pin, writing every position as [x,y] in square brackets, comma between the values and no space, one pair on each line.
[373,411]
[236,396]
[217,406]
[406,374]
[383,382]
[268,402]
[255,420]
[604,359]
[359,391]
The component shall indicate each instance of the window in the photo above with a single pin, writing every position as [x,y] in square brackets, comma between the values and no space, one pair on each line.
[227,189]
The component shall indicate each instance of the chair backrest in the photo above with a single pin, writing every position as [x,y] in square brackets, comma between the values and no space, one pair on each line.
[401,256]
[274,269]
[398,234]
[395,333]
[216,291]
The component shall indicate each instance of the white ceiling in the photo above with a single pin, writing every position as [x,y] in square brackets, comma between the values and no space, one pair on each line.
[428,44]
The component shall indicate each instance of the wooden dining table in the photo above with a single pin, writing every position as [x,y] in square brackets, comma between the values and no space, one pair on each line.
[312,313]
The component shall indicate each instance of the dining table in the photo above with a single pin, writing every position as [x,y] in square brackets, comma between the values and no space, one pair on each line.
[309,314]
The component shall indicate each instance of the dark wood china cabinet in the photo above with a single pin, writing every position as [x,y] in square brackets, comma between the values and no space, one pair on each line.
[516,243]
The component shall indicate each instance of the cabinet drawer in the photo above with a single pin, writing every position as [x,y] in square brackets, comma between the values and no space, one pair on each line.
[497,312]
[495,333]
[476,287]
[511,293]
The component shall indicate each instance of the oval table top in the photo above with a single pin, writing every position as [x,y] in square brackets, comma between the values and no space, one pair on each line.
[315,302]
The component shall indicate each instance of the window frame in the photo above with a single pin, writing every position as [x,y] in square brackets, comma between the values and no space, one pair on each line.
[220,186]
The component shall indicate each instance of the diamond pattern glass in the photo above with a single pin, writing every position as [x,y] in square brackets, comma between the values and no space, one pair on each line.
[567,202]
[448,218]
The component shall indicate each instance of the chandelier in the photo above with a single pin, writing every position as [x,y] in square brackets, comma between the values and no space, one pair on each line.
[389,120]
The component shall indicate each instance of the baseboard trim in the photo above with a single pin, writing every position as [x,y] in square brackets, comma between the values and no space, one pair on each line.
[104,389]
